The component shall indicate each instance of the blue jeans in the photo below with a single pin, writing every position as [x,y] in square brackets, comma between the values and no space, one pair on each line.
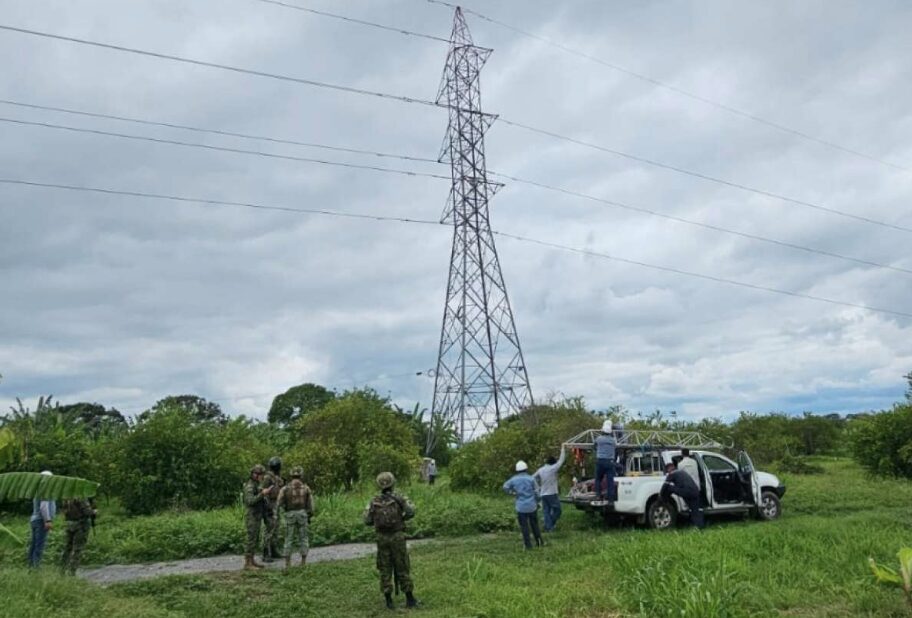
[551,509]
[605,468]
[36,547]
[527,520]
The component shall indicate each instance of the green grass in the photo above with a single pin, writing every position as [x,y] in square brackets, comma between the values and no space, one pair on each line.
[812,562]
[119,539]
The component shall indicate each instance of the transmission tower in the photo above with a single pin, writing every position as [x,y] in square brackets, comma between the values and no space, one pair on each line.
[481,376]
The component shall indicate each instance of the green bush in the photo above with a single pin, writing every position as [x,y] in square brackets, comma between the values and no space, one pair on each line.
[882,442]
[795,464]
[355,433]
[533,435]
[172,460]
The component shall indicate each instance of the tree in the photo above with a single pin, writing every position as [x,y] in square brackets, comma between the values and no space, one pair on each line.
[200,410]
[298,401]
[93,416]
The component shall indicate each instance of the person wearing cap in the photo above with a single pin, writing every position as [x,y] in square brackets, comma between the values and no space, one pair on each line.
[605,451]
[525,488]
[41,522]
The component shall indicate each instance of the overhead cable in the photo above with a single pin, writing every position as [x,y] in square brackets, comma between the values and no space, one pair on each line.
[405,99]
[517,237]
[171,125]
[707,177]
[258,153]
[354,20]
[211,202]
[708,226]
[690,95]
[697,275]
[526,181]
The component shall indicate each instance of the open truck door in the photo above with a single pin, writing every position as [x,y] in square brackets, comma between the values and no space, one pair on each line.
[749,477]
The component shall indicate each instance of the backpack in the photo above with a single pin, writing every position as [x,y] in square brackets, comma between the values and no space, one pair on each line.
[387,513]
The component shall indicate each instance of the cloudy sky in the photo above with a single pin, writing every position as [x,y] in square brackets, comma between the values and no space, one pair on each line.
[124,300]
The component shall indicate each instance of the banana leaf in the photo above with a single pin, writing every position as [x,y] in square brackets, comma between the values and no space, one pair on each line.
[905,567]
[30,485]
[10,535]
[884,574]
[8,444]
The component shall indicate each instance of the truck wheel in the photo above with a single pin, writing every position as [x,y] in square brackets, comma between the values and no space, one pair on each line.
[769,508]
[661,515]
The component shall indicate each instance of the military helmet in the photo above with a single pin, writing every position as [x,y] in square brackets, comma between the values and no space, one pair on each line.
[275,462]
[297,472]
[257,469]
[385,480]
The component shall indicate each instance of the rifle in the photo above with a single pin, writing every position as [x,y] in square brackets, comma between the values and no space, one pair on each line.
[94,514]
[396,579]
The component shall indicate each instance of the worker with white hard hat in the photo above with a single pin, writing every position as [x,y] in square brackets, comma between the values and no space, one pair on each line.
[525,488]
[41,522]
[605,447]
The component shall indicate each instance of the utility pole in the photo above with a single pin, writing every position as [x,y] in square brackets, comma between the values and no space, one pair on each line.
[481,375]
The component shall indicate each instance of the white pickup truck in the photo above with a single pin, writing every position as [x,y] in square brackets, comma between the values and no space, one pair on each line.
[725,486]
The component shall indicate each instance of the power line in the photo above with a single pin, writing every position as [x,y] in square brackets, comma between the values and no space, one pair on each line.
[405,99]
[223,67]
[533,183]
[353,20]
[258,153]
[211,202]
[688,273]
[708,226]
[184,127]
[517,237]
[700,175]
[680,91]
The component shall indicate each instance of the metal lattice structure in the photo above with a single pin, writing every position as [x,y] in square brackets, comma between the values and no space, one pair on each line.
[648,439]
[481,375]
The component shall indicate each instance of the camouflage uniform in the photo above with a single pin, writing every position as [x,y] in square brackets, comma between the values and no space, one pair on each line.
[297,501]
[392,553]
[255,503]
[274,483]
[78,514]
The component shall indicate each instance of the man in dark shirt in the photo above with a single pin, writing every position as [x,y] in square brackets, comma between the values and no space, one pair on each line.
[680,483]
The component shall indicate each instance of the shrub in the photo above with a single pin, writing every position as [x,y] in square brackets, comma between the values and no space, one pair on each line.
[533,435]
[882,442]
[359,431]
[795,464]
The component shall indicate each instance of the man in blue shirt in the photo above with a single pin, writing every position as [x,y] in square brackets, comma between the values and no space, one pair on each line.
[605,447]
[41,522]
[523,486]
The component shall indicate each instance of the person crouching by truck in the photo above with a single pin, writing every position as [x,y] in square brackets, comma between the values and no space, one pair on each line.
[680,483]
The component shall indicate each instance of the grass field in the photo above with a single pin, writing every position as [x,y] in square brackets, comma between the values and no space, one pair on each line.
[809,563]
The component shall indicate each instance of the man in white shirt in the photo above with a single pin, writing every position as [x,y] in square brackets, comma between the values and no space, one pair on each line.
[41,522]
[547,479]
[689,465]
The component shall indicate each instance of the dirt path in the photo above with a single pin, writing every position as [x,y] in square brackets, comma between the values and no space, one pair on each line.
[117,573]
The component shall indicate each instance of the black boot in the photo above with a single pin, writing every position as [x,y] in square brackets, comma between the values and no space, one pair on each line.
[410,600]
[389,600]
[267,555]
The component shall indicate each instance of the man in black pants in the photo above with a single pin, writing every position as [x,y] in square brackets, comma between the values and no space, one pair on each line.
[679,482]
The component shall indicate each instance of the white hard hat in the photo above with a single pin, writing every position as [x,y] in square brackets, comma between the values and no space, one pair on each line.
[47,473]
[606,427]
[521,466]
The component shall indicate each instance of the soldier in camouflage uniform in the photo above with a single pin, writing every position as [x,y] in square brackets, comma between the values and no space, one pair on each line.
[272,481]
[387,513]
[297,501]
[255,501]
[79,515]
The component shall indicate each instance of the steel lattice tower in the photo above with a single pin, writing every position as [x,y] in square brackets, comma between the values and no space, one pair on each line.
[481,376]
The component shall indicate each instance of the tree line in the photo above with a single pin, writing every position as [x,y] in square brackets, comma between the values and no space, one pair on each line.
[184,452]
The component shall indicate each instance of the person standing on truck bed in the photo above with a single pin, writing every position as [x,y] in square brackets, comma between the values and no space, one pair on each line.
[547,480]
[605,450]
[679,482]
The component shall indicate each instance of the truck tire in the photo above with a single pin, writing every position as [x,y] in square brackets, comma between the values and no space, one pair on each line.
[661,515]
[769,508]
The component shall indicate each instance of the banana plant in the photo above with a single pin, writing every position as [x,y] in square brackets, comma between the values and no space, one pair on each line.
[31,485]
[890,577]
